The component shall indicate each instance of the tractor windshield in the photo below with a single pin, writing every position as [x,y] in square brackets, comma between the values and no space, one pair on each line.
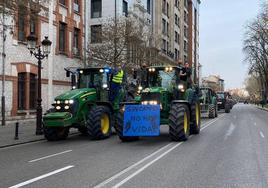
[220,95]
[162,78]
[93,79]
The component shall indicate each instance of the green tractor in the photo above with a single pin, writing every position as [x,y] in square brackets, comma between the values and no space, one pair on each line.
[178,102]
[208,102]
[85,107]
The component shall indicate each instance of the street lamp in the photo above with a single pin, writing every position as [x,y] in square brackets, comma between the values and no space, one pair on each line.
[40,55]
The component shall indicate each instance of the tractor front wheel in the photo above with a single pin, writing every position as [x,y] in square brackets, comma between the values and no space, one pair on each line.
[195,118]
[56,133]
[99,123]
[179,124]
[119,129]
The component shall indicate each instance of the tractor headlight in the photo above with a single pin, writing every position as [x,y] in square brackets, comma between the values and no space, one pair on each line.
[140,88]
[81,71]
[58,107]
[149,102]
[101,70]
[58,102]
[73,87]
[66,102]
[181,87]
[71,101]
[66,107]
[105,86]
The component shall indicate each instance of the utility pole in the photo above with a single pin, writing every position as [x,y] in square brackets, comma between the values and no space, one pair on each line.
[3,109]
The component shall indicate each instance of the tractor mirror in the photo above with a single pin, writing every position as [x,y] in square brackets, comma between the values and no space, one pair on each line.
[68,74]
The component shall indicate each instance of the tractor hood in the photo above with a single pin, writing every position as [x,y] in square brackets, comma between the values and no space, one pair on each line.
[76,93]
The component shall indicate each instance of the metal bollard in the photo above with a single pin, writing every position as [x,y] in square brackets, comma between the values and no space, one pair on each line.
[16,131]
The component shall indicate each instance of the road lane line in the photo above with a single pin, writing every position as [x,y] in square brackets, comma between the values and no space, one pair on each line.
[262,135]
[151,155]
[53,155]
[159,157]
[41,177]
[131,167]
[229,131]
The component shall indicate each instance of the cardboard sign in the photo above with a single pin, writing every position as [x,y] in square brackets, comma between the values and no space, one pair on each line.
[141,120]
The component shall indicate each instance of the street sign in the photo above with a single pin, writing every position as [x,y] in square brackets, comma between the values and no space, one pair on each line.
[141,120]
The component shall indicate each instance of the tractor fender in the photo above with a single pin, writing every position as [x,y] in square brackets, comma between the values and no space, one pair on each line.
[107,104]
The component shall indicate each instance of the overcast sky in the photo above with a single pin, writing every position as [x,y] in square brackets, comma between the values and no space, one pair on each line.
[221,35]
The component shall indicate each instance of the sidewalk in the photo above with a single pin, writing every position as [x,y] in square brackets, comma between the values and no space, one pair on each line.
[26,133]
[264,108]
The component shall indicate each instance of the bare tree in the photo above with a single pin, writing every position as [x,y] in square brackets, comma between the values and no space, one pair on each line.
[256,49]
[121,41]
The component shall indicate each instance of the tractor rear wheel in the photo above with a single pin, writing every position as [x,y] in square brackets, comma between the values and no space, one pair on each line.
[179,122]
[56,133]
[119,129]
[99,123]
[227,108]
[195,118]
[211,111]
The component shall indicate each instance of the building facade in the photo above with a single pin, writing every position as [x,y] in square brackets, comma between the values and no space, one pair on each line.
[214,81]
[63,22]
[176,31]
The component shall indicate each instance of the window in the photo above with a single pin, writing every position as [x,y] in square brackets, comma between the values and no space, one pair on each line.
[32,27]
[21,25]
[176,54]
[76,45]
[167,29]
[96,32]
[176,36]
[76,5]
[185,31]
[177,3]
[185,16]
[96,8]
[21,90]
[185,46]
[176,19]
[186,3]
[164,6]
[125,8]
[164,45]
[62,37]
[63,2]
[163,26]
[167,10]
[33,89]
[149,6]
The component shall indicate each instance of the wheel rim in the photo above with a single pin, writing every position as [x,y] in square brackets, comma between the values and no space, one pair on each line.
[185,123]
[197,113]
[105,123]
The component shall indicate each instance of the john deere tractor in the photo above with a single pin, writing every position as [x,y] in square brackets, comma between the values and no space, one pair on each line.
[85,107]
[178,102]
[208,102]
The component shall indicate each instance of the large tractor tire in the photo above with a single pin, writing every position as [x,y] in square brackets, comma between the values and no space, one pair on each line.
[56,133]
[227,108]
[179,122]
[99,123]
[211,111]
[119,129]
[195,118]
[216,110]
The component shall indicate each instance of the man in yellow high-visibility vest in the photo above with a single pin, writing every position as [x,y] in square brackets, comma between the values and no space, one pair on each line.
[116,83]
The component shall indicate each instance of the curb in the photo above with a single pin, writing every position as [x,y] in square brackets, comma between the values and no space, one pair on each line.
[31,141]
[264,109]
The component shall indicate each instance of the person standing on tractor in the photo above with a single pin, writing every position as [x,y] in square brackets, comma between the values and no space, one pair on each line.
[116,82]
[143,75]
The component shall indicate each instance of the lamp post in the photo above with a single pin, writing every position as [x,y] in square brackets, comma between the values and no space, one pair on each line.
[39,52]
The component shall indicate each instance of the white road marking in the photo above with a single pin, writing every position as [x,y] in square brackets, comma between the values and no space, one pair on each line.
[262,135]
[148,164]
[41,177]
[255,124]
[53,155]
[229,131]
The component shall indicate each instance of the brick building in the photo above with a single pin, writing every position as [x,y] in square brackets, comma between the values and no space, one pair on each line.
[63,22]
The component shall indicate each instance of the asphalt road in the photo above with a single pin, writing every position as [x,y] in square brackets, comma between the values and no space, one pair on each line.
[231,151]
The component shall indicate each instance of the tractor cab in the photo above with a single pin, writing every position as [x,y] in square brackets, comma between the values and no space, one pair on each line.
[208,102]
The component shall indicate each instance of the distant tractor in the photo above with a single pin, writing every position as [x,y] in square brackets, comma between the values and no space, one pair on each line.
[85,107]
[178,102]
[224,102]
[208,102]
